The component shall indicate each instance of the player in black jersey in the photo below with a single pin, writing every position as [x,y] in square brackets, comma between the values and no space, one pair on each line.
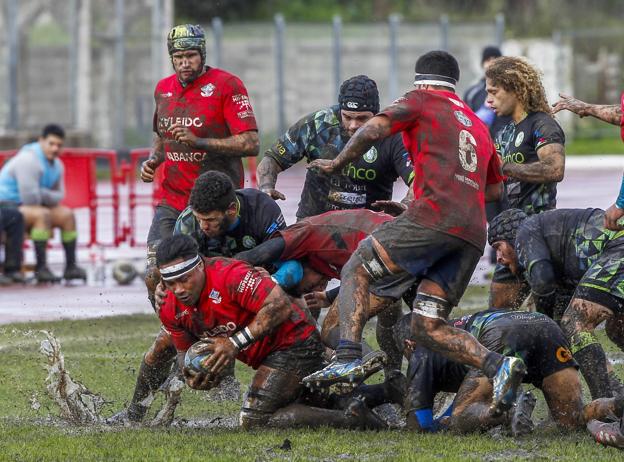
[569,251]
[531,147]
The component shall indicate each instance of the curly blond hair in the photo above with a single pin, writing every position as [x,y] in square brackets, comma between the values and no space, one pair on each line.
[516,75]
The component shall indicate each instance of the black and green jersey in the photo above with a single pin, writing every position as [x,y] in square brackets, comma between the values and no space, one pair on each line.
[519,144]
[258,218]
[576,244]
[319,135]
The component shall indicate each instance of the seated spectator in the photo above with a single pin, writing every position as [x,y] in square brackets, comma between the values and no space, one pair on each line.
[32,181]
[12,225]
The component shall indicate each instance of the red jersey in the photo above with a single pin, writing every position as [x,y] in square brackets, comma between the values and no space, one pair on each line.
[328,240]
[233,294]
[215,105]
[454,159]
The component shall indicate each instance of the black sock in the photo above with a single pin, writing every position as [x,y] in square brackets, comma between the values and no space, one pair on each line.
[491,364]
[70,253]
[348,350]
[593,364]
[41,249]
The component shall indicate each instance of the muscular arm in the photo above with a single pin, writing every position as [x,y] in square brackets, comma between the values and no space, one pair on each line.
[275,310]
[372,131]
[267,172]
[549,168]
[611,114]
[245,144]
[158,150]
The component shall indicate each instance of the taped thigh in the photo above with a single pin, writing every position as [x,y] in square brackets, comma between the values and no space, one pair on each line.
[372,262]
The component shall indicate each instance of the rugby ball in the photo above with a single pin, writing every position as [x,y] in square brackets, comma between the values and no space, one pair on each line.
[124,272]
[196,361]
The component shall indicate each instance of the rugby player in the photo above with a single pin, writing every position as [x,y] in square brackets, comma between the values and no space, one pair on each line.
[240,313]
[321,135]
[436,238]
[203,121]
[608,113]
[569,252]
[323,244]
[550,367]
[222,221]
[532,149]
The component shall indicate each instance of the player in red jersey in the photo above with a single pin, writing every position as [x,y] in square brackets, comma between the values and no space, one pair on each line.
[240,313]
[203,121]
[323,244]
[441,235]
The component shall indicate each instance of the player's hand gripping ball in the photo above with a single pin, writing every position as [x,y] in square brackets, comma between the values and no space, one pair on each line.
[195,359]
[124,272]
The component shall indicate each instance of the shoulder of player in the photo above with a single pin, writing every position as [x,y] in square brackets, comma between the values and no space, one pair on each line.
[325,119]
[165,83]
[168,311]
[220,77]
[541,119]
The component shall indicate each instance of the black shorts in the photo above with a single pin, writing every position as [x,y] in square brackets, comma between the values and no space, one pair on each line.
[603,282]
[279,383]
[429,254]
[162,226]
[535,338]
[393,286]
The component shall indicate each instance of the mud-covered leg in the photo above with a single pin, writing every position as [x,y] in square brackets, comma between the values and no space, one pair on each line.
[386,319]
[563,394]
[471,411]
[153,372]
[578,324]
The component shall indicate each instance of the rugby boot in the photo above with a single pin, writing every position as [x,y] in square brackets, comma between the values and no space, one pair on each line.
[133,414]
[608,434]
[16,276]
[505,384]
[44,275]
[364,418]
[395,386]
[354,371]
[74,272]
[521,423]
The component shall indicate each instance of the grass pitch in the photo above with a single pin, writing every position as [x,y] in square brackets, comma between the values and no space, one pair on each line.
[104,354]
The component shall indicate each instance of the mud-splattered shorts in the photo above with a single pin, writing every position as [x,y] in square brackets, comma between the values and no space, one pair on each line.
[535,338]
[277,382]
[429,254]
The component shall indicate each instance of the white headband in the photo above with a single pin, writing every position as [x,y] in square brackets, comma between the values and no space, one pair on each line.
[434,79]
[179,269]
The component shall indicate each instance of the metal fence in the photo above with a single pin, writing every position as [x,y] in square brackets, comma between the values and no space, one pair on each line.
[92,66]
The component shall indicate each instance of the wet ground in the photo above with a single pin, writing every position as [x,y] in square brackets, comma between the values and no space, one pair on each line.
[590,182]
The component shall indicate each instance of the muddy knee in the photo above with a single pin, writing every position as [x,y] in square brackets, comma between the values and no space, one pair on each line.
[162,350]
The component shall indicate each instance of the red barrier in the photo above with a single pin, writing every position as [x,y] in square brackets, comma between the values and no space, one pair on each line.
[81,188]
[6,155]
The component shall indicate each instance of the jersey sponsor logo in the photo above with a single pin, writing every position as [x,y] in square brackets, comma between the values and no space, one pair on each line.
[249,242]
[347,198]
[352,105]
[222,329]
[466,180]
[371,155]
[244,106]
[166,122]
[186,156]
[515,157]
[277,224]
[215,296]
[281,150]
[166,95]
[519,139]
[207,90]
[359,173]
[463,119]
[181,314]
[467,148]
[250,281]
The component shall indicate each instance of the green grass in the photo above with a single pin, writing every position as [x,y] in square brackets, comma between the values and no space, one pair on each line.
[595,146]
[104,354]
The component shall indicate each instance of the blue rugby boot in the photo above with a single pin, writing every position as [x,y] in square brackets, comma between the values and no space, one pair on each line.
[354,371]
[506,383]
